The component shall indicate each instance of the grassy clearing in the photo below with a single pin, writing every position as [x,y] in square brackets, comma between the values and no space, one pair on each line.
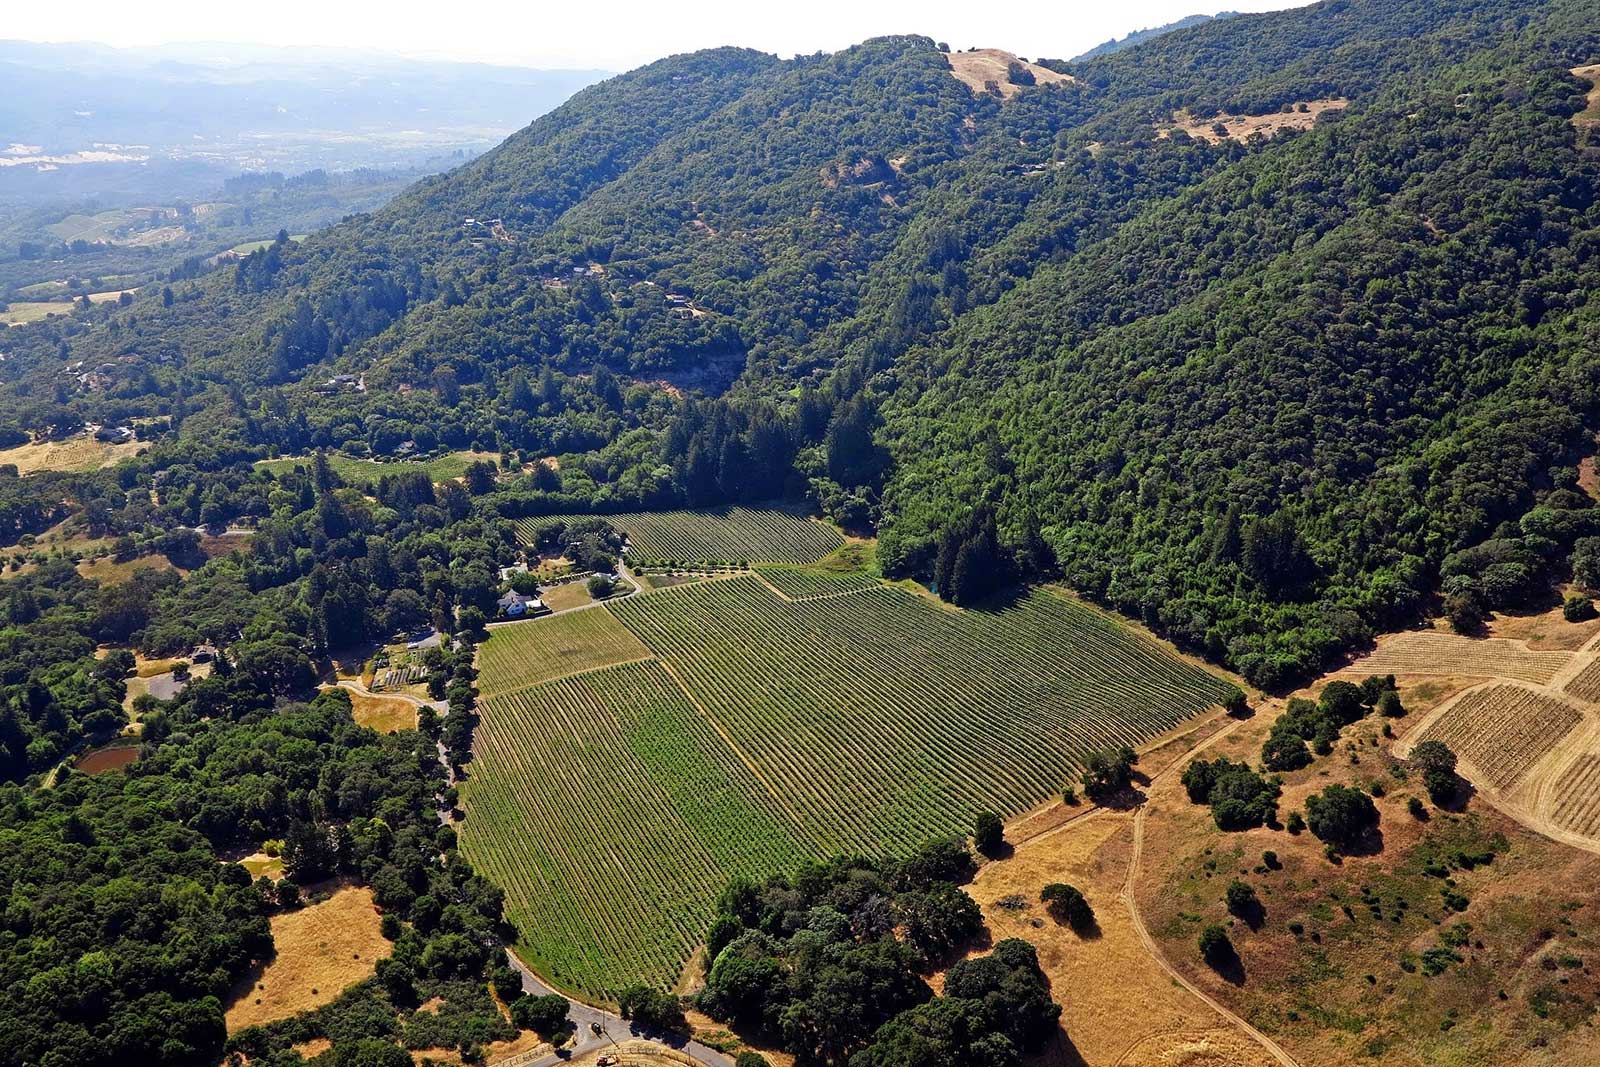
[246,247]
[521,654]
[386,715]
[366,472]
[321,949]
[772,730]
[763,535]
[81,453]
[261,865]
[113,572]
[562,597]
[22,312]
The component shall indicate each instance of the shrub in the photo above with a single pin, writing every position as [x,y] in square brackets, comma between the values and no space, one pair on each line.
[1577,608]
[1415,806]
[988,833]
[1239,797]
[750,1059]
[1067,905]
[1340,815]
[599,586]
[1389,705]
[1215,948]
[1296,823]
[1241,899]
[1107,773]
[1438,766]
[546,1015]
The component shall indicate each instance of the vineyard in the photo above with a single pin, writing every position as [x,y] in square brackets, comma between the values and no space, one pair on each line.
[733,535]
[611,813]
[1577,796]
[804,583]
[1504,730]
[526,653]
[1438,653]
[1586,686]
[615,804]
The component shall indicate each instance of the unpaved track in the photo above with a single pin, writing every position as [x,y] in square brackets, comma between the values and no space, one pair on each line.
[1130,901]
[1274,1049]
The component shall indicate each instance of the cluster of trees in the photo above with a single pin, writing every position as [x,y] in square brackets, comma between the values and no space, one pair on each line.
[1317,723]
[1239,797]
[829,963]
[126,930]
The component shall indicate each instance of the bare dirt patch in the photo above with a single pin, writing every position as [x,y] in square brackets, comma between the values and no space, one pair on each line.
[976,69]
[1590,116]
[321,949]
[112,757]
[1244,127]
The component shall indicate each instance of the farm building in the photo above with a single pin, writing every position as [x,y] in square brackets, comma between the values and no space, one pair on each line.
[116,435]
[514,605]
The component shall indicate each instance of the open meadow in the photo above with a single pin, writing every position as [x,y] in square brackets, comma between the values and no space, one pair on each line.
[631,758]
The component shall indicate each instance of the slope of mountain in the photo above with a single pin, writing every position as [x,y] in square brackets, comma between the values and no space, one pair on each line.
[1263,395]
[1117,44]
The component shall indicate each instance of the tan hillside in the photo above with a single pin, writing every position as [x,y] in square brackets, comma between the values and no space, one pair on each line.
[984,65]
[1300,116]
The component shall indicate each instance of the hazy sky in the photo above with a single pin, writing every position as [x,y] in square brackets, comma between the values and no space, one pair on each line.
[609,34]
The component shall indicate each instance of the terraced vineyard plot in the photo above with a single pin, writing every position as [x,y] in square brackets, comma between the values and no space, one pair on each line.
[1439,653]
[764,535]
[885,720]
[612,814]
[526,653]
[1504,730]
[1577,796]
[800,583]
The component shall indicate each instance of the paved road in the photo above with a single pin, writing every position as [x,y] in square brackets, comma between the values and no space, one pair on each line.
[613,1028]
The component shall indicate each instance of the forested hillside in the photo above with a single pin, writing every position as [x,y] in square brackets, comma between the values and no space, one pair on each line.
[1268,393]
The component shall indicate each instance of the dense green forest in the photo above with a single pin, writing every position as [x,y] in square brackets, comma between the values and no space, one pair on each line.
[1268,396]
[1251,393]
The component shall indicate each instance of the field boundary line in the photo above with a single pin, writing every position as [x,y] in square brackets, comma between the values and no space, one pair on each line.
[779,593]
[733,746]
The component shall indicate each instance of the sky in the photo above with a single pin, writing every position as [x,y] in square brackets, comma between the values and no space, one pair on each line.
[602,34]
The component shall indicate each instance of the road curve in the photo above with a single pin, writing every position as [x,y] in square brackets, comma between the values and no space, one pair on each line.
[612,1028]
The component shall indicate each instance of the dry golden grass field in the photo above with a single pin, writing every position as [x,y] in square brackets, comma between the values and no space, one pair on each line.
[1333,967]
[562,597]
[977,68]
[321,949]
[81,453]
[1243,127]
[386,715]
